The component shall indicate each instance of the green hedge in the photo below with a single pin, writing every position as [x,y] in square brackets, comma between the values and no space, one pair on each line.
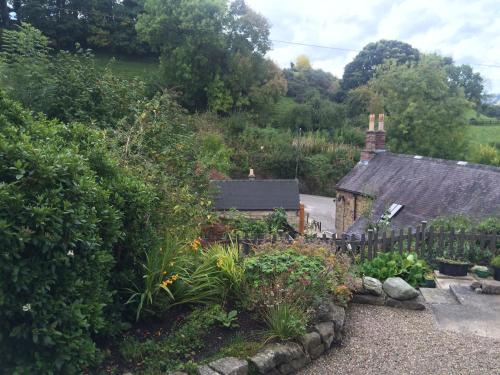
[71,225]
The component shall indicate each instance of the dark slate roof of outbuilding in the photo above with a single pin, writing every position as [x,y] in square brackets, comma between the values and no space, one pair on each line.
[256,194]
[427,188]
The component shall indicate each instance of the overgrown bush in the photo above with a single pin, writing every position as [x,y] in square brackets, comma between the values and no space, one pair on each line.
[277,277]
[63,85]
[61,234]
[393,264]
[285,321]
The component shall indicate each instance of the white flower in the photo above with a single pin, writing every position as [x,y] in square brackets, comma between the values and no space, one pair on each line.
[27,307]
[71,253]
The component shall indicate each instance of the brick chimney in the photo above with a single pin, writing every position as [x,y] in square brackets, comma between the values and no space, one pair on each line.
[369,152]
[380,134]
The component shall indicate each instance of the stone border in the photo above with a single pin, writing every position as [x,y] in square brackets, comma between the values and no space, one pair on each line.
[287,357]
[390,293]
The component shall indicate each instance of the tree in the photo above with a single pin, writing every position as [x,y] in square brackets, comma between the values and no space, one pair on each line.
[91,23]
[362,68]
[426,115]
[304,83]
[4,14]
[302,62]
[211,52]
[472,83]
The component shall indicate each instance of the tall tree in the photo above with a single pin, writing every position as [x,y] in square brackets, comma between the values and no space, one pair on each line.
[210,51]
[362,68]
[4,14]
[426,114]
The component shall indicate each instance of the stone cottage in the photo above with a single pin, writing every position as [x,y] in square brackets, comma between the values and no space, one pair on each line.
[408,189]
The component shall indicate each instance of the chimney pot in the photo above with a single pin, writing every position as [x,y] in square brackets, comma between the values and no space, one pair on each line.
[371,124]
[381,122]
[251,175]
[370,140]
[380,134]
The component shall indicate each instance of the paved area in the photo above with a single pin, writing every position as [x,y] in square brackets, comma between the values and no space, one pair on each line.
[477,314]
[458,308]
[384,340]
[320,209]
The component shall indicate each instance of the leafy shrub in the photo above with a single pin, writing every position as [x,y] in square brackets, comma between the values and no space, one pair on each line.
[72,226]
[285,321]
[495,262]
[392,264]
[63,85]
[337,276]
[277,277]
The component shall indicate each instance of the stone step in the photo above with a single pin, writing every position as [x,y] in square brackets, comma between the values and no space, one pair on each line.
[438,296]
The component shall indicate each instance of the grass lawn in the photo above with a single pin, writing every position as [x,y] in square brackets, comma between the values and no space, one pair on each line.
[483,135]
[128,66]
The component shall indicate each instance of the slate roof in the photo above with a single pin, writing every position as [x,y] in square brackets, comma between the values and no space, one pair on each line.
[251,195]
[427,188]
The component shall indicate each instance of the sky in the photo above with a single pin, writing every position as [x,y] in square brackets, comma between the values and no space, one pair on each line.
[466,30]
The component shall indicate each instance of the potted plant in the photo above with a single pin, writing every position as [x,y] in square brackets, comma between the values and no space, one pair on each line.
[481,271]
[495,263]
[453,267]
[429,281]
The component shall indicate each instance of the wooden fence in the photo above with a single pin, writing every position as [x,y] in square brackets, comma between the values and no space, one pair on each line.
[425,241]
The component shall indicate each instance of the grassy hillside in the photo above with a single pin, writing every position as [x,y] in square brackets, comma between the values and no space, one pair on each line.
[483,135]
[127,66]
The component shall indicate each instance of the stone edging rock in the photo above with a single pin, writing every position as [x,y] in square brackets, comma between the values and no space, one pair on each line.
[287,357]
[394,292]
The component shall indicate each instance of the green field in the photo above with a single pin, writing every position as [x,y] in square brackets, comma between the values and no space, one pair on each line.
[128,67]
[483,135]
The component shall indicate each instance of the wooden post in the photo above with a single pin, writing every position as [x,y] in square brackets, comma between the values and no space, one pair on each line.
[370,244]
[451,247]
[408,244]
[362,248]
[384,242]
[440,243]
[400,240]
[422,238]
[301,219]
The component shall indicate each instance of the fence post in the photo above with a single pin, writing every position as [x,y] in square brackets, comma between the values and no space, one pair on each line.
[370,244]
[461,241]
[451,249]
[362,248]
[410,240]
[417,239]
[493,243]
[422,238]
[400,240]
[301,218]
[430,242]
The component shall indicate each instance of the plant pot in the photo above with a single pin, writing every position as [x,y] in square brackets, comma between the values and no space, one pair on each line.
[429,283]
[453,269]
[482,274]
[496,273]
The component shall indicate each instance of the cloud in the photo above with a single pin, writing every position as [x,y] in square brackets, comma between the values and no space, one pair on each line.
[466,30]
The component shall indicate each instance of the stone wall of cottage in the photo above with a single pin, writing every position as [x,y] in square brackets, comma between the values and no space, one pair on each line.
[348,208]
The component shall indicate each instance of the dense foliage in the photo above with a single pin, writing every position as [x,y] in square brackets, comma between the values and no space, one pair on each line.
[213,52]
[393,264]
[362,68]
[426,113]
[108,24]
[70,221]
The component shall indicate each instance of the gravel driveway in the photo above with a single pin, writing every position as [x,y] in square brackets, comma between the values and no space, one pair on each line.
[383,340]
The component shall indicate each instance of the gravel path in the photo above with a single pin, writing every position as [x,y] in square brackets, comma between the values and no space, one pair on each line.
[383,340]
